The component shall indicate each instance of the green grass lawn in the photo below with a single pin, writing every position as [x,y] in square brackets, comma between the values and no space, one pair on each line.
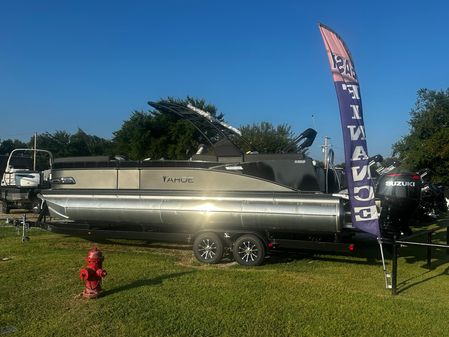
[160,290]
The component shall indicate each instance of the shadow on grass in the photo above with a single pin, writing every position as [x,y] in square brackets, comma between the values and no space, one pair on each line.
[405,285]
[413,255]
[367,254]
[145,282]
[140,243]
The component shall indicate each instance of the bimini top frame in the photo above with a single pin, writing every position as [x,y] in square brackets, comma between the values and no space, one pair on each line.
[221,136]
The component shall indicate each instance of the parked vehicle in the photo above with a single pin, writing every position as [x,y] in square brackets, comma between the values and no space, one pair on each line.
[20,182]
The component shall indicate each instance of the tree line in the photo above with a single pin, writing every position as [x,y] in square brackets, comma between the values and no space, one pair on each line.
[152,134]
[427,143]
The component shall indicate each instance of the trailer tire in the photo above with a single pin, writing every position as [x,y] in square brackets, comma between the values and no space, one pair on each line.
[249,250]
[208,248]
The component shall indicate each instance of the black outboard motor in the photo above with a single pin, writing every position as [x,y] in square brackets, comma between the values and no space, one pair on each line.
[400,194]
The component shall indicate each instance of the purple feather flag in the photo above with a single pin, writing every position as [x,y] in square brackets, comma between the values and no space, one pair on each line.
[360,186]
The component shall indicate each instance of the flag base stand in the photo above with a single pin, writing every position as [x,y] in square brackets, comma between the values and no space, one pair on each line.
[387,276]
[391,280]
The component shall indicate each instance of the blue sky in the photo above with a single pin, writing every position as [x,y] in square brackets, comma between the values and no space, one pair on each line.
[89,64]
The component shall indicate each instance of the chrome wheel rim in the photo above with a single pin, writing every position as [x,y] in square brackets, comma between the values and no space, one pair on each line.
[248,251]
[207,249]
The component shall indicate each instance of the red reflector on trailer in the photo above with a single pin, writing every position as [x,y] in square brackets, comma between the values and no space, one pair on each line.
[351,247]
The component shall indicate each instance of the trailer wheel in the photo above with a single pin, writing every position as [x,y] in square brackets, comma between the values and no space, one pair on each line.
[249,250]
[208,248]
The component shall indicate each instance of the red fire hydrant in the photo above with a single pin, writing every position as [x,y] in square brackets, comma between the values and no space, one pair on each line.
[93,274]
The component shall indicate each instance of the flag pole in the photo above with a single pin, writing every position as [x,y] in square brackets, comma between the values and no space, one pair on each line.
[34,152]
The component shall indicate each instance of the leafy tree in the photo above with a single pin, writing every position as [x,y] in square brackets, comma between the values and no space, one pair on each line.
[82,144]
[8,145]
[157,135]
[267,138]
[427,144]
[63,144]
[57,143]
